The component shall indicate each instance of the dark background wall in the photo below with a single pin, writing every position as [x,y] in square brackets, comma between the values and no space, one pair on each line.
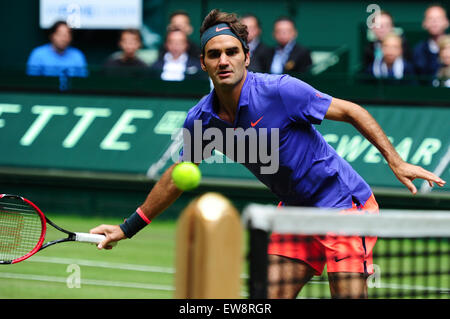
[320,23]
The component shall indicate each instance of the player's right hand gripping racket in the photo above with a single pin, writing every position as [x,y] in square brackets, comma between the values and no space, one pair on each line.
[23,228]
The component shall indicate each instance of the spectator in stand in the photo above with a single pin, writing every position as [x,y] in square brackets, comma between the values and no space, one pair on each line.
[383,25]
[57,58]
[443,74]
[126,60]
[180,20]
[426,53]
[176,64]
[288,56]
[391,65]
[259,52]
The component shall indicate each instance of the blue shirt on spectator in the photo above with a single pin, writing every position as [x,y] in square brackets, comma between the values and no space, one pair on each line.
[46,61]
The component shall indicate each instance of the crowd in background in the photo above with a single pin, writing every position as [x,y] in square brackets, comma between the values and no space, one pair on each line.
[387,56]
[390,57]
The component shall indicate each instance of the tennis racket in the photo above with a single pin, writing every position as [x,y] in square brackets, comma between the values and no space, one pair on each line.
[23,227]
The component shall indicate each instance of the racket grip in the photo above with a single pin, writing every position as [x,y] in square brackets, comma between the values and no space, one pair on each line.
[89,238]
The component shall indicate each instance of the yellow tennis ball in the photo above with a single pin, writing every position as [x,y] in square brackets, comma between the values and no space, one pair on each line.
[186,176]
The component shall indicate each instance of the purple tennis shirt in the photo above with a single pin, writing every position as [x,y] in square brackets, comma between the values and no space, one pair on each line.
[309,172]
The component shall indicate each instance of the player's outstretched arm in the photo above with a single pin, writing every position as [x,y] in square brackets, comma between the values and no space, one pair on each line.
[341,110]
[162,195]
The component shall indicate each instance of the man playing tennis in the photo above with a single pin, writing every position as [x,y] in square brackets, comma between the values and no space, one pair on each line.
[310,172]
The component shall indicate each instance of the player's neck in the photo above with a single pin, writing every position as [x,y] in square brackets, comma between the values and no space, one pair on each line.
[228,98]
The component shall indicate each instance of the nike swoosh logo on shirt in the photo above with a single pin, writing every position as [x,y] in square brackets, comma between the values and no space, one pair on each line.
[220,29]
[253,124]
[338,260]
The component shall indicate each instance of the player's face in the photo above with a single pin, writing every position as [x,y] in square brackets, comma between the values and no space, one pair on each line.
[225,61]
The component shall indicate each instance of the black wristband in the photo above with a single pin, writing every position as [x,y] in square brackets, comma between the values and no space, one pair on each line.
[134,223]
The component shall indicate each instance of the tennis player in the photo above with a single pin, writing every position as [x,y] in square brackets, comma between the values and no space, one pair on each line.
[310,172]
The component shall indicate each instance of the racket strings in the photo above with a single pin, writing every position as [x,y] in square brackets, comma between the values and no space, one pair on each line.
[20,229]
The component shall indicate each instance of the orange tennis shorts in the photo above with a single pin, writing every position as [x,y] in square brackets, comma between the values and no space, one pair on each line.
[339,253]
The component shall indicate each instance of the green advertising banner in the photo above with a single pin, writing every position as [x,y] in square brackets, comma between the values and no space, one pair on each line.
[136,136]
[86,133]
[421,135]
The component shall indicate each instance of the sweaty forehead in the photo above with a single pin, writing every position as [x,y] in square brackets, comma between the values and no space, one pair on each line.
[222,42]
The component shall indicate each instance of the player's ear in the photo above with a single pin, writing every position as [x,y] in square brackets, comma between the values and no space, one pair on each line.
[202,62]
[247,59]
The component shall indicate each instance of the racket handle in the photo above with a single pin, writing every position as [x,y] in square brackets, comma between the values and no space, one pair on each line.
[91,238]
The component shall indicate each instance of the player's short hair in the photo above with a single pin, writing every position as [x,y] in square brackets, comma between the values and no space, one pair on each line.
[216,16]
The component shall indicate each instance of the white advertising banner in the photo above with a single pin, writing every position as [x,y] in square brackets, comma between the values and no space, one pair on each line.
[92,14]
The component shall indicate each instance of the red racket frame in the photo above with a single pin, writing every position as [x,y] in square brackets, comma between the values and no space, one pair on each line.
[43,229]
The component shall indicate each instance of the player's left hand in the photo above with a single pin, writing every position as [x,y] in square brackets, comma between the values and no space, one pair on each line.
[406,173]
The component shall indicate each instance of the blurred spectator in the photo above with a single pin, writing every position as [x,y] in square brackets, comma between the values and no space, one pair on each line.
[259,52]
[126,60]
[180,20]
[426,53]
[57,58]
[383,25]
[288,56]
[176,64]
[443,74]
[391,65]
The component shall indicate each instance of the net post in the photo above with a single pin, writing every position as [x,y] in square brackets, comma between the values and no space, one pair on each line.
[258,263]
[209,250]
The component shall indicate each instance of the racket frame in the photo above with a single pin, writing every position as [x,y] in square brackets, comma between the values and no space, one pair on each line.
[71,236]
[38,245]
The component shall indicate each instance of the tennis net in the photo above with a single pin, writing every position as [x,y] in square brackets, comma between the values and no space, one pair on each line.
[411,257]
